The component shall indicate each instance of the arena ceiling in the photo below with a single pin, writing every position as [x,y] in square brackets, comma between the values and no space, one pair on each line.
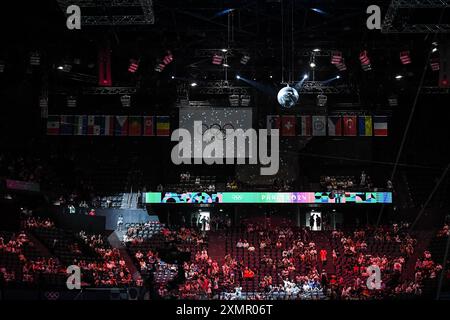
[259,28]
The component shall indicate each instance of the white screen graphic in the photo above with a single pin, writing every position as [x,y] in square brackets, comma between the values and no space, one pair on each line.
[218,118]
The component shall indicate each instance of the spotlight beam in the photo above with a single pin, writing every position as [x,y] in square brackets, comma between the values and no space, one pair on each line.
[263,88]
[299,84]
[331,80]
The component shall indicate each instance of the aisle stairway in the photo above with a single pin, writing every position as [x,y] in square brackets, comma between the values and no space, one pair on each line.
[216,245]
[115,242]
[322,242]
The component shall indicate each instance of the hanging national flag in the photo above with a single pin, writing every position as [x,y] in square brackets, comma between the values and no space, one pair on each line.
[53,125]
[66,126]
[380,126]
[80,125]
[91,126]
[148,126]
[334,126]
[304,126]
[162,126]
[99,125]
[135,126]
[349,125]
[106,125]
[121,126]
[288,124]
[319,126]
[273,122]
[365,126]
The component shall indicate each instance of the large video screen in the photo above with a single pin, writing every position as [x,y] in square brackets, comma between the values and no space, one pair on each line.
[214,118]
[269,197]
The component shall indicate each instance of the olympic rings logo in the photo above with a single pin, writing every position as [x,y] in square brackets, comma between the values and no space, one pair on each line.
[223,129]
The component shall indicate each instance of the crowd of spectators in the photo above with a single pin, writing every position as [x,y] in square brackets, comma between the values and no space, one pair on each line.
[38,222]
[444,231]
[348,183]
[334,183]
[18,167]
[29,268]
[109,269]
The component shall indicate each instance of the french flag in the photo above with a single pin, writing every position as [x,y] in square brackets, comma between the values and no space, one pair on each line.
[108,129]
[380,126]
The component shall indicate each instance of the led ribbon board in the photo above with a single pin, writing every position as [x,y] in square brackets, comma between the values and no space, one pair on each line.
[269,197]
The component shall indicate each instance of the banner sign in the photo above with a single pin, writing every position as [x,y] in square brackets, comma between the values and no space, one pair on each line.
[338,125]
[22,185]
[269,197]
[108,125]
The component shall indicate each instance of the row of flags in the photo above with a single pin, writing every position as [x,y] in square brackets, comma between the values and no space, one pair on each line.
[307,125]
[95,125]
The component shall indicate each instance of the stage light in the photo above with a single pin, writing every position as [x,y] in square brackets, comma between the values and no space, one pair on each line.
[319,11]
[43,102]
[312,64]
[217,59]
[238,77]
[322,100]
[435,64]
[160,67]
[193,84]
[393,101]
[71,102]
[270,76]
[365,61]
[338,77]
[134,65]
[305,76]
[338,60]
[35,59]
[245,100]
[434,50]
[245,59]
[226,65]
[234,100]
[168,58]
[223,12]
[316,50]
[398,77]
[224,50]
[336,57]
[126,101]
[173,77]
[405,57]
[64,67]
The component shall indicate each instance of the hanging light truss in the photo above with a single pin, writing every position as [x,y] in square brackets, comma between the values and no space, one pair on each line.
[142,10]
[389,24]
